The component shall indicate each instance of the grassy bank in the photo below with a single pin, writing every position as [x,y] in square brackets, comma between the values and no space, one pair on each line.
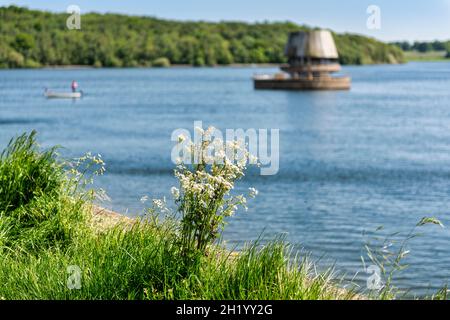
[53,247]
[56,244]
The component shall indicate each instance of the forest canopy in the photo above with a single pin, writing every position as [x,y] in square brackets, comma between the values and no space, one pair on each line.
[31,38]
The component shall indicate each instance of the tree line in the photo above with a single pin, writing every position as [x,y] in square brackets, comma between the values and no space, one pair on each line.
[424,46]
[31,38]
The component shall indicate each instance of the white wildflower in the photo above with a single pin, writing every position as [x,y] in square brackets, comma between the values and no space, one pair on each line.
[210,131]
[199,130]
[252,159]
[158,203]
[253,192]
[175,193]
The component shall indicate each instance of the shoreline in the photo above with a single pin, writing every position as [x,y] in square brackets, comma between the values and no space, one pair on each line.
[173,66]
[219,66]
[103,218]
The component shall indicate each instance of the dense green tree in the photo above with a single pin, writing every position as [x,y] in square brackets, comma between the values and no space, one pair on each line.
[23,43]
[424,46]
[30,38]
[404,45]
[439,46]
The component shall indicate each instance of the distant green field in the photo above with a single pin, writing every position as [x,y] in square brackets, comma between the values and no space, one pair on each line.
[426,56]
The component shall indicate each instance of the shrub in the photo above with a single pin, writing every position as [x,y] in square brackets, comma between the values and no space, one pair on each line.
[26,173]
[161,63]
[41,205]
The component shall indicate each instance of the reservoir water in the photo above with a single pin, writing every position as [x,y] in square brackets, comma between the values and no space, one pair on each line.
[349,161]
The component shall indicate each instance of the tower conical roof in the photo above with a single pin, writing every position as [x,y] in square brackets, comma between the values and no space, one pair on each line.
[312,44]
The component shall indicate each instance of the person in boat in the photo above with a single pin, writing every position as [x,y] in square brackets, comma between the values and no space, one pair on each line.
[74,86]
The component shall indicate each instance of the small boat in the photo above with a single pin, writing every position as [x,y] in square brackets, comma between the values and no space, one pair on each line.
[63,95]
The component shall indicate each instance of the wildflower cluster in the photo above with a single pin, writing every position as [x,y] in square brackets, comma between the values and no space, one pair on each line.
[85,164]
[207,174]
[82,171]
[204,198]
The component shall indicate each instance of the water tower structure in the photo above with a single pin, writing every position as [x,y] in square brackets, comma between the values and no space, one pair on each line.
[312,58]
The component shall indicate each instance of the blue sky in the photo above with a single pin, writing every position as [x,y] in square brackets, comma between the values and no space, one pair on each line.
[400,19]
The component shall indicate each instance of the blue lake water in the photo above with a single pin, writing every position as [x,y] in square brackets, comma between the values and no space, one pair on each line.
[349,161]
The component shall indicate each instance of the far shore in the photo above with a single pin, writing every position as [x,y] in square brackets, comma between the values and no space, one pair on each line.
[233,65]
[175,66]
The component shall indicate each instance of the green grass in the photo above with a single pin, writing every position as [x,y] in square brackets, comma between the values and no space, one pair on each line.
[426,56]
[46,227]
[38,204]
[143,264]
